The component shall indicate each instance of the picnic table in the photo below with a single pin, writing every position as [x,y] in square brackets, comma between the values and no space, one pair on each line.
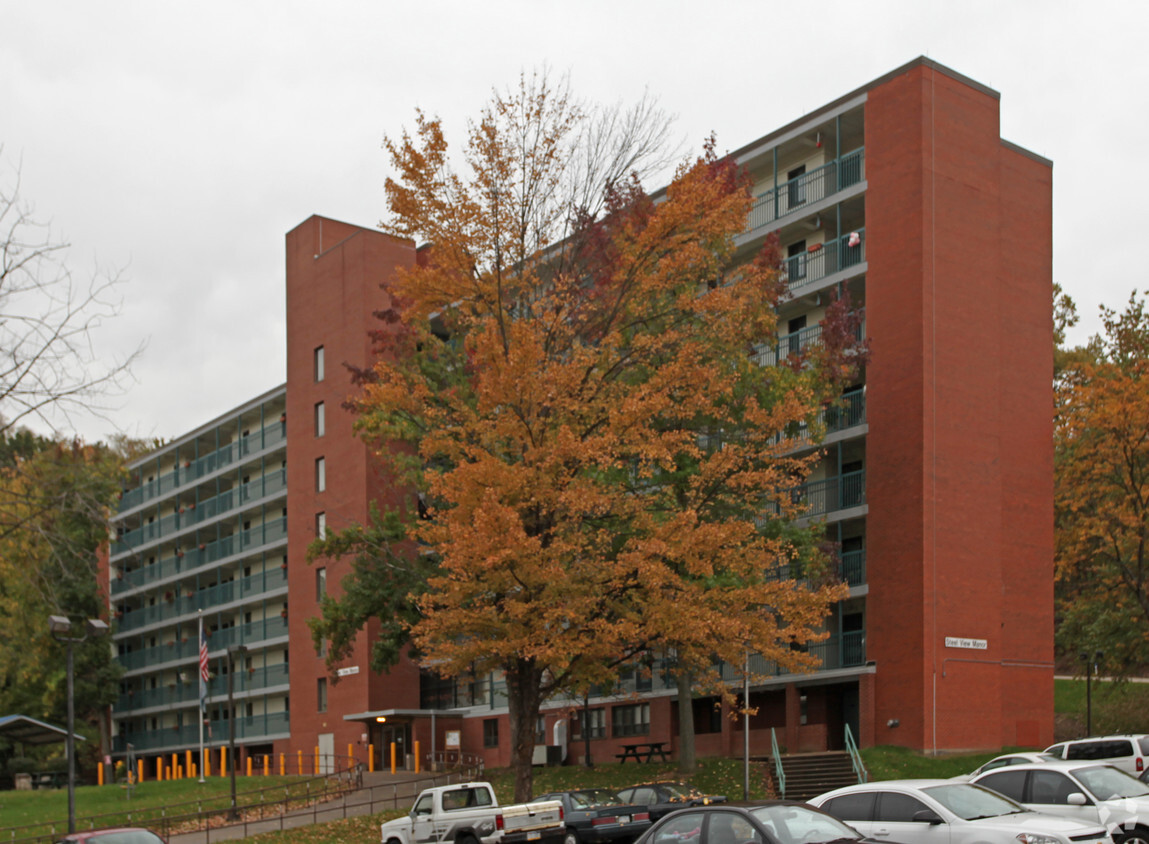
[54,779]
[642,751]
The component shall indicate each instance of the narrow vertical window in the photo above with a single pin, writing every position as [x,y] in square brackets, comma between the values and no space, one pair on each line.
[321,524]
[321,695]
[319,363]
[320,474]
[320,583]
[320,420]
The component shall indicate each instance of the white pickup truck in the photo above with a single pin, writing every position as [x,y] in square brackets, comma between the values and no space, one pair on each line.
[469,813]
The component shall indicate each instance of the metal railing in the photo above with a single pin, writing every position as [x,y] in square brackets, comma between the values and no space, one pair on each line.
[824,260]
[854,567]
[246,729]
[856,757]
[779,773]
[797,193]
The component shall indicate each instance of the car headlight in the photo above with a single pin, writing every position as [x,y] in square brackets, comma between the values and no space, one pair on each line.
[1034,838]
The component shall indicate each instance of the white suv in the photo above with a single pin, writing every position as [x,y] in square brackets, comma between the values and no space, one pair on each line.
[1128,752]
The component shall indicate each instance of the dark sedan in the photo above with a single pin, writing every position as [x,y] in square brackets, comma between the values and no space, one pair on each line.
[596,815]
[661,798]
[772,822]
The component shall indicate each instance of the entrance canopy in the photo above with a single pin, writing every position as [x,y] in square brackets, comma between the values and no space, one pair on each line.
[21,728]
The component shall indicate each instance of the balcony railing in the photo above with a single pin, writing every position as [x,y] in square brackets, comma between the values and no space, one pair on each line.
[808,268]
[269,484]
[794,343]
[186,562]
[247,634]
[854,567]
[214,596]
[820,183]
[266,437]
[173,695]
[846,650]
[832,494]
[246,729]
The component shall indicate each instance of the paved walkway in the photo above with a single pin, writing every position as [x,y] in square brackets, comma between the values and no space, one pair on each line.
[381,791]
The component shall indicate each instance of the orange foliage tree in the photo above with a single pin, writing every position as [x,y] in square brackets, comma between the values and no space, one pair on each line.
[1102,492]
[605,467]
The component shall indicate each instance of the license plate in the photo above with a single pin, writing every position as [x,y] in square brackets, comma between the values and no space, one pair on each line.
[624,818]
[534,836]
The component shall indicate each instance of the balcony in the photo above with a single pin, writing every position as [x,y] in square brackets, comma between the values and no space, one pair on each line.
[265,438]
[256,728]
[832,494]
[189,517]
[789,345]
[807,269]
[221,594]
[806,190]
[186,562]
[854,567]
[176,650]
[845,650]
[253,680]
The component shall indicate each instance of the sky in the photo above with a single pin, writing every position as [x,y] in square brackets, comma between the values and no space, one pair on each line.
[177,143]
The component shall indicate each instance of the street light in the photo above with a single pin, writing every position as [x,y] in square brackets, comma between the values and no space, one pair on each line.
[60,627]
[1090,664]
[232,652]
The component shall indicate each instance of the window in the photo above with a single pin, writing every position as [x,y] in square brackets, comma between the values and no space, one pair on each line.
[1050,787]
[319,363]
[1009,783]
[796,186]
[631,720]
[320,419]
[898,808]
[321,696]
[321,524]
[591,724]
[683,827]
[320,474]
[852,807]
[320,583]
[796,260]
[491,732]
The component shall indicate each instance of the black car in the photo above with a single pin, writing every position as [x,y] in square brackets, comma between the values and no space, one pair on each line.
[769,822]
[661,798]
[597,815]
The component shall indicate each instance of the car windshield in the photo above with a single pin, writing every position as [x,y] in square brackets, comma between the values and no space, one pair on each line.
[972,802]
[1108,783]
[122,836]
[792,824]
[593,797]
[680,791]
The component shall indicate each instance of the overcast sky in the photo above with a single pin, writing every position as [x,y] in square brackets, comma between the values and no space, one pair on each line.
[180,142]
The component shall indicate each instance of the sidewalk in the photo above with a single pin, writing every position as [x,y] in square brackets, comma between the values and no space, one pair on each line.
[381,791]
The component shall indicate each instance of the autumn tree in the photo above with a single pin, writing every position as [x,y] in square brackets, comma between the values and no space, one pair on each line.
[55,499]
[1102,491]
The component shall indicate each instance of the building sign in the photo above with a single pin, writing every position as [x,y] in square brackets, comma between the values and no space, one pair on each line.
[347,672]
[971,644]
[453,737]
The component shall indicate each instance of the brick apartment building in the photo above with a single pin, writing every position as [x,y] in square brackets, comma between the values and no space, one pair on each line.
[937,482]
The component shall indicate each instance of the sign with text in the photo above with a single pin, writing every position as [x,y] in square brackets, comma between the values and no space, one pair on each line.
[971,644]
[347,672]
[453,738]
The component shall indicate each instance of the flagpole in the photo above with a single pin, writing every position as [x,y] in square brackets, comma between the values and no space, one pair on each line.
[202,695]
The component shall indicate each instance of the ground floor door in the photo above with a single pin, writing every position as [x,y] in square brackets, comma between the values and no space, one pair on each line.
[400,736]
[326,753]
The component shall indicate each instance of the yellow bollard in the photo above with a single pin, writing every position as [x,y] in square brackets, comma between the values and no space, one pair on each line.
[299,769]
[159,769]
[392,757]
[316,769]
[350,757]
[223,761]
[192,771]
[189,766]
[266,764]
[100,774]
[140,765]
[371,758]
[249,766]
[207,763]
[174,768]
[283,764]
[416,757]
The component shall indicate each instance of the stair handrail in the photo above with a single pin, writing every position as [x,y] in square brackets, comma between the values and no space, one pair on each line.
[856,757]
[779,772]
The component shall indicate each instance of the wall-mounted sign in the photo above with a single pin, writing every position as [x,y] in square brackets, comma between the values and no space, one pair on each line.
[453,739]
[971,644]
[347,672]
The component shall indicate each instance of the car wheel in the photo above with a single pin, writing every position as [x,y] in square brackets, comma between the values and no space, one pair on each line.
[1138,835]
[572,837]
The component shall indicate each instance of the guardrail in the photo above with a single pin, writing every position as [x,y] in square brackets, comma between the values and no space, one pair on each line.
[779,773]
[856,757]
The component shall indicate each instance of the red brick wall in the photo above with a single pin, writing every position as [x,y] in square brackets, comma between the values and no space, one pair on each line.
[334,277]
[957,481]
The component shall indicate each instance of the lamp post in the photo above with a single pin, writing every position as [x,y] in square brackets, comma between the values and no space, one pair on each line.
[1090,664]
[60,627]
[232,652]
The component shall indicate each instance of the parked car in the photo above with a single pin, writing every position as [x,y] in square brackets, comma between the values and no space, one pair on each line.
[661,798]
[769,822]
[1127,752]
[1085,791]
[120,835]
[596,815]
[948,812]
[1006,761]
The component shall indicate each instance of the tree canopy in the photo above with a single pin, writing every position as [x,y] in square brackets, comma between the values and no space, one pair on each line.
[569,382]
[1102,492]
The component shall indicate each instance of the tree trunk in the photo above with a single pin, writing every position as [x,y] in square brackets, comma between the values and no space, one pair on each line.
[685,723]
[523,699]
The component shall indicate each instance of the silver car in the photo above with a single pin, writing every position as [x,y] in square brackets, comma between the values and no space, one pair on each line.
[1085,791]
[948,812]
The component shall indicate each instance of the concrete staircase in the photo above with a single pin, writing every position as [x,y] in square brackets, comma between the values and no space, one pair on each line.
[811,774]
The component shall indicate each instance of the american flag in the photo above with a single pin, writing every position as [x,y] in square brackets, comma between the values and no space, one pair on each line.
[203,672]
